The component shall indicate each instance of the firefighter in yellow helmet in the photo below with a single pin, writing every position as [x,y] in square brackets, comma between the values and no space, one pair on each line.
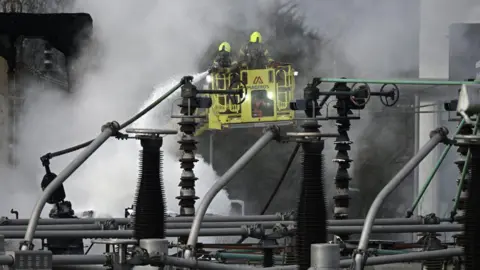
[254,55]
[223,62]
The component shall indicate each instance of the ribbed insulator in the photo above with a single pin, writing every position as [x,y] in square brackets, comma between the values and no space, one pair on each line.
[268,258]
[342,178]
[431,242]
[433,265]
[150,213]
[187,196]
[472,214]
[311,211]
[462,151]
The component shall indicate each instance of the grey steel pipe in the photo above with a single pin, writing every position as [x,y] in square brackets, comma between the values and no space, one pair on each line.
[79,260]
[61,177]
[124,221]
[271,224]
[6,260]
[73,227]
[269,135]
[215,219]
[107,131]
[153,104]
[123,233]
[195,264]
[205,225]
[397,228]
[408,257]
[229,231]
[435,138]
[58,260]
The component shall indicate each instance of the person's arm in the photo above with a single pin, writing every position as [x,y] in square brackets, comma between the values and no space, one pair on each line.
[234,66]
[242,55]
[267,55]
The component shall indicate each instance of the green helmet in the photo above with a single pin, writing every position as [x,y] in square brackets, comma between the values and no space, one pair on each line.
[256,37]
[224,47]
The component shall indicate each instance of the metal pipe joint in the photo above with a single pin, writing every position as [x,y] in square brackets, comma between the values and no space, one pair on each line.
[443,132]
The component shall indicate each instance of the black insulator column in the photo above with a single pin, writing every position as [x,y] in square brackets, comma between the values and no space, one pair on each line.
[311,210]
[462,150]
[150,214]
[188,147]
[342,146]
[268,257]
[472,214]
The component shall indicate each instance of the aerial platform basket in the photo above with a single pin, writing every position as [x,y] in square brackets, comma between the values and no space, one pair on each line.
[268,93]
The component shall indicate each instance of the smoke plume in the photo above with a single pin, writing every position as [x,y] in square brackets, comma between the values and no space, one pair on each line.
[136,45]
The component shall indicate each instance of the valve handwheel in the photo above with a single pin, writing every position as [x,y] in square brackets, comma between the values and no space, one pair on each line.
[237,83]
[391,97]
[361,95]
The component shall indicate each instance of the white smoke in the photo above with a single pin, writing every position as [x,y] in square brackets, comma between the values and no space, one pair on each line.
[136,45]
[160,118]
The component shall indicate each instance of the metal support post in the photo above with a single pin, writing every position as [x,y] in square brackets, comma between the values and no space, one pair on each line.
[211,148]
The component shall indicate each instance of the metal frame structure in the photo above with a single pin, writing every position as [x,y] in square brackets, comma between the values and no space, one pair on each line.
[128,252]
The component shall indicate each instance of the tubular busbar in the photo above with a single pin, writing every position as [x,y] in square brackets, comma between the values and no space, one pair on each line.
[408,257]
[107,131]
[269,135]
[211,219]
[58,181]
[410,82]
[194,264]
[432,174]
[436,137]
[58,260]
[229,231]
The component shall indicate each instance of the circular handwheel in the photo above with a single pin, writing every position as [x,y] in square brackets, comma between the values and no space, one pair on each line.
[391,98]
[361,95]
[237,83]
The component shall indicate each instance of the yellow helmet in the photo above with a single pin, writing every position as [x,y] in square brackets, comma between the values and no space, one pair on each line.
[256,37]
[225,46]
